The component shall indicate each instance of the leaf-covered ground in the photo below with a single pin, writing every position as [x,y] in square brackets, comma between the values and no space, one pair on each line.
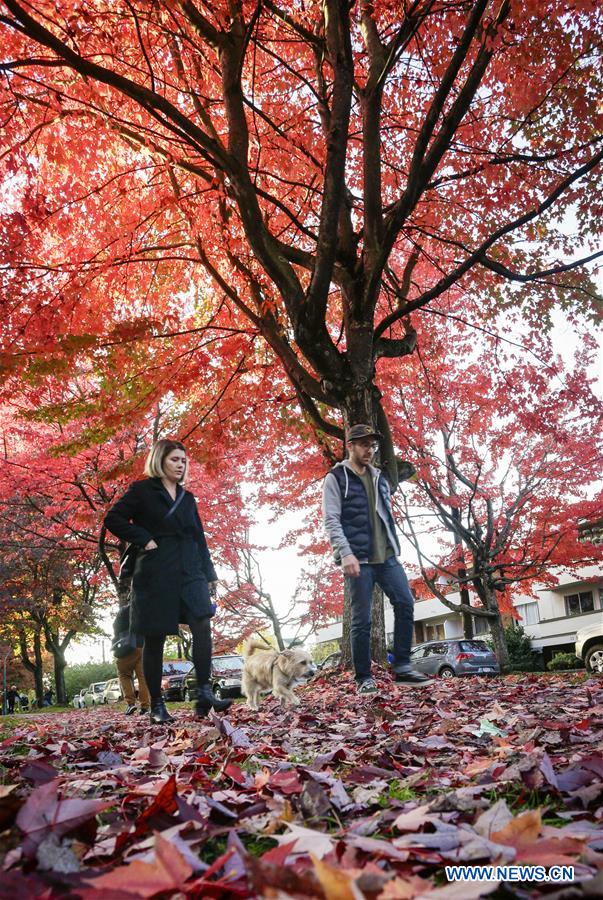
[344,798]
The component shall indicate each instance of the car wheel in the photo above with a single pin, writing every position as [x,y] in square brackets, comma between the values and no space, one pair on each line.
[594,659]
[446,672]
[187,696]
[218,692]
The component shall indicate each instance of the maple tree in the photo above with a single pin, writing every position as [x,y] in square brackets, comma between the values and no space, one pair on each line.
[48,597]
[248,599]
[507,455]
[193,175]
[241,212]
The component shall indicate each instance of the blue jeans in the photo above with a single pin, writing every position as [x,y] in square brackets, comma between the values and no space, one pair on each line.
[391,577]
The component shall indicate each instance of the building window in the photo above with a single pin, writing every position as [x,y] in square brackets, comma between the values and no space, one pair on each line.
[434,632]
[576,604]
[480,625]
[528,613]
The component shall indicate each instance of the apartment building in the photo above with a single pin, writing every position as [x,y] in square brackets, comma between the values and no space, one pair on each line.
[551,617]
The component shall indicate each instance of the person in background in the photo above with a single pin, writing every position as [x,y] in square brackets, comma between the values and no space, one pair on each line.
[358,519]
[173,576]
[11,695]
[127,649]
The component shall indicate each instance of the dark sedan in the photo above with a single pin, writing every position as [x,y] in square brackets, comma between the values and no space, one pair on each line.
[226,674]
[455,656]
[172,682]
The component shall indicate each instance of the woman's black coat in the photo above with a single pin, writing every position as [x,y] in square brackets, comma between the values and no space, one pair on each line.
[180,567]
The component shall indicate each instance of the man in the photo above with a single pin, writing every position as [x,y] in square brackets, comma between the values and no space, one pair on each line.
[127,649]
[357,514]
[11,695]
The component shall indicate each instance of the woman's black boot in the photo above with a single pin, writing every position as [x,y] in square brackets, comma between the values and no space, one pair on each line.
[206,700]
[159,713]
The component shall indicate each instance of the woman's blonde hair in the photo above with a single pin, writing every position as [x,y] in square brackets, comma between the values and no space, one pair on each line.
[153,466]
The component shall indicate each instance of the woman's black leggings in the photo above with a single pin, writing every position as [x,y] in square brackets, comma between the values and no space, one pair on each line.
[152,656]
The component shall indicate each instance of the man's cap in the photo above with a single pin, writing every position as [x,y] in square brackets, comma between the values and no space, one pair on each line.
[357,432]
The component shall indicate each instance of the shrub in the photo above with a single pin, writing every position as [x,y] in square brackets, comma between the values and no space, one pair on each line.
[78,677]
[563,661]
[519,645]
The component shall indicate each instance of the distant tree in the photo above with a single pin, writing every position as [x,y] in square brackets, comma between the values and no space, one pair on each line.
[507,461]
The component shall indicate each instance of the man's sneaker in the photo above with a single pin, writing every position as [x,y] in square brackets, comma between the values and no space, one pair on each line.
[412,677]
[367,686]
[130,708]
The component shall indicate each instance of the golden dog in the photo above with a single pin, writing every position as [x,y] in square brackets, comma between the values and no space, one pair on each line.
[268,670]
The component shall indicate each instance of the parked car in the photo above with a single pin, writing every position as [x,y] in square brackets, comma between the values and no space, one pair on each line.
[94,694]
[332,661]
[457,656]
[112,692]
[174,671]
[226,675]
[78,699]
[589,647]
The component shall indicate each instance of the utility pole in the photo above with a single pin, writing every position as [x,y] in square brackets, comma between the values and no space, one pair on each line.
[7,656]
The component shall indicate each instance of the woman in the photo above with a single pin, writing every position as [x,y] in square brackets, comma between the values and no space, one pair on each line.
[173,573]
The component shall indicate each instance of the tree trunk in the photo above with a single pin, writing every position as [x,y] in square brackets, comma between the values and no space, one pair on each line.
[378,642]
[498,634]
[270,612]
[346,628]
[187,644]
[59,678]
[37,666]
[57,647]
[276,626]
[464,593]
[467,618]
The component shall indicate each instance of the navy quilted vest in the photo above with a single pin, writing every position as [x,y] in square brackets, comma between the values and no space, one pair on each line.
[355,516]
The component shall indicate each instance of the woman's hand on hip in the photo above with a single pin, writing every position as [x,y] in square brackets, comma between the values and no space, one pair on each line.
[151,545]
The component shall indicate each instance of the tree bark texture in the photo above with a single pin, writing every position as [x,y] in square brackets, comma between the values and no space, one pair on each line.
[378,643]
[36,667]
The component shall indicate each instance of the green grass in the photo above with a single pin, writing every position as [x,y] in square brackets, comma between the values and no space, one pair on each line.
[213,848]
[520,799]
[257,844]
[396,791]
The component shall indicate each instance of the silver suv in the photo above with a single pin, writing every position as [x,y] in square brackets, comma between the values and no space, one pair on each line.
[589,647]
[455,656]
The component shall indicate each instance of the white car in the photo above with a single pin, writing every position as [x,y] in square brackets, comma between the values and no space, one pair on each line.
[112,692]
[94,694]
[589,647]
[78,699]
